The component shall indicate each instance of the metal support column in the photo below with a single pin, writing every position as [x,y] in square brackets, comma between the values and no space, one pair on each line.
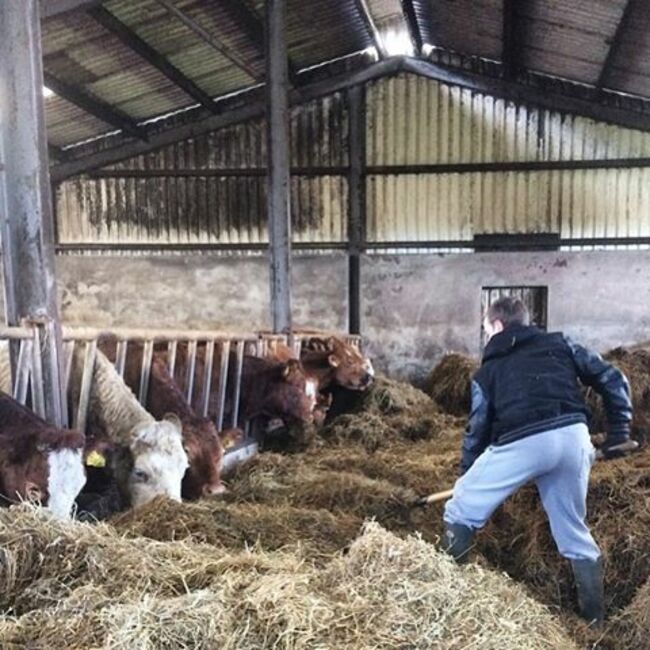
[279,206]
[26,211]
[357,200]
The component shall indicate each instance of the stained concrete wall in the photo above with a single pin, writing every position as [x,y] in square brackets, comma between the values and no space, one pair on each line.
[418,307]
[415,307]
[198,292]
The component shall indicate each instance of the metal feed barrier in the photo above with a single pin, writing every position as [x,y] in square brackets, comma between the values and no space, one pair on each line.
[26,379]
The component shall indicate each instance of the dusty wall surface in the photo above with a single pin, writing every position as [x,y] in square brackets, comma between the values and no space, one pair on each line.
[196,291]
[415,307]
[418,307]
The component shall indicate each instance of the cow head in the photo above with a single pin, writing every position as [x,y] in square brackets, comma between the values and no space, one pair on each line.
[205,455]
[350,368]
[291,395]
[157,462]
[50,471]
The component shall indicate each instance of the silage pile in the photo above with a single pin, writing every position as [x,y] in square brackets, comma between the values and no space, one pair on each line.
[449,383]
[74,585]
[635,364]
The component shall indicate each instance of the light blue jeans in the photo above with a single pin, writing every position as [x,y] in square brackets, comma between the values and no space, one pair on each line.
[557,461]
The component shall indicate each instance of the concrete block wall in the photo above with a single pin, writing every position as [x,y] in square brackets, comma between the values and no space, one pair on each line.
[415,307]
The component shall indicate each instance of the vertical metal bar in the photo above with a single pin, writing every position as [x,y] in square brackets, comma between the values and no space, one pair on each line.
[207,377]
[120,357]
[38,391]
[27,237]
[172,348]
[238,377]
[357,203]
[145,371]
[278,201]
[259,347]
[81,414]
[23,371]
[189,372]
[223,383]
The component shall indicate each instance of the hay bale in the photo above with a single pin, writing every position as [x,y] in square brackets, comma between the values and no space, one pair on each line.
[635,364]
[449,383]
[385,593]
[234,526]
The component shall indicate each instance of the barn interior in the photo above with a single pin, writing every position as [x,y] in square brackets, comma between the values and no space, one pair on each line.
[212,184]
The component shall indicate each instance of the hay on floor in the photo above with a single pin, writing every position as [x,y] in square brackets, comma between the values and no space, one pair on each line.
[384,593]
[449,383]
[236,525]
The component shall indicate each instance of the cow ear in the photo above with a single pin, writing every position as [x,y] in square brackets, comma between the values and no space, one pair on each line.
[174,419]
[33,492]
[333,360]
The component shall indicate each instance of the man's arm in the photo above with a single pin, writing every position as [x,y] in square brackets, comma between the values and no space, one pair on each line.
[611,384]
[477,434]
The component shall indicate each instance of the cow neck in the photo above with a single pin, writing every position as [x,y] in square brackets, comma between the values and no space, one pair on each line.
[316,365]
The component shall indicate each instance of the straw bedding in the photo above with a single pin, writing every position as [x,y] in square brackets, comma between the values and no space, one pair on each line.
[449,383]
[384,593]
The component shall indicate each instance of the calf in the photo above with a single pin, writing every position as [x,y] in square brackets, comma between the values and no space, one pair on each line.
[38,461]
[148,458]
[268,388]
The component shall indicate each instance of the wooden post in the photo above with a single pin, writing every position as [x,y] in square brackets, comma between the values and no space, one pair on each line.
[357,202]
[26,211]
[279,206]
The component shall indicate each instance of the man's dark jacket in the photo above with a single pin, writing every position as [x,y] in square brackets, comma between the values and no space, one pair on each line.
[528,384]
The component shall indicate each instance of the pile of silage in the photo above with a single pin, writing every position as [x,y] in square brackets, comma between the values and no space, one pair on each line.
[635,364]
[449,383]
[73,585]
[387,413]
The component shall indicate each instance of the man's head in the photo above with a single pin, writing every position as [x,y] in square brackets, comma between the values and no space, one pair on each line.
[503,313]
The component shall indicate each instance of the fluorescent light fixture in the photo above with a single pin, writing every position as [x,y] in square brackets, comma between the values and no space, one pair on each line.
[47,92]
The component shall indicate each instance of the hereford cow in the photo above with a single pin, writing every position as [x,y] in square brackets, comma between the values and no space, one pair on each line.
[148,457]
[37,461]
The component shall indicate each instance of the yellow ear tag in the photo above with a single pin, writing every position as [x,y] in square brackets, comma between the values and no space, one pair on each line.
[95,459]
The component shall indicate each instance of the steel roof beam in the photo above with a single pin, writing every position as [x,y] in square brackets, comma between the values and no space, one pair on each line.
[245,110]
[51,8]
[129,38]
[250,109]
[248,22]
[604,78]
[371,27]
[512,53]
[94,106]
[411,17]
[210,39]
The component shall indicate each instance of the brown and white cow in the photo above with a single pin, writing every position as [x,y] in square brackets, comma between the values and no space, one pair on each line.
[38,461]
[148,455]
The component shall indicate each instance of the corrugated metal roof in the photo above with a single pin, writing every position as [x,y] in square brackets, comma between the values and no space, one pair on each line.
[565,39]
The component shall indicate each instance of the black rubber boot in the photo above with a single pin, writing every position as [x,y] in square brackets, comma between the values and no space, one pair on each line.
[457,541]
[588,575]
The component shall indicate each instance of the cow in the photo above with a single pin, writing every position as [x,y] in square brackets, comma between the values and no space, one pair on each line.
[147,456]
[201,440]
[38,462]
[332,364]
[269,388]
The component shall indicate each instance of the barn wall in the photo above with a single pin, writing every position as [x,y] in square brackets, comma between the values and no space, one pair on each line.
[409,120]
[418,307]
[195,292]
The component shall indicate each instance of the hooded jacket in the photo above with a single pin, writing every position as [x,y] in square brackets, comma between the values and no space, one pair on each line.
[528,384]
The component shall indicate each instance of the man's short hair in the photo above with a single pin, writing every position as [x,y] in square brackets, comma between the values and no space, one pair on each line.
[509,310]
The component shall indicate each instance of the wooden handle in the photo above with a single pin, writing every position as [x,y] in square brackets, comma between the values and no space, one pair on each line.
[433,498]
